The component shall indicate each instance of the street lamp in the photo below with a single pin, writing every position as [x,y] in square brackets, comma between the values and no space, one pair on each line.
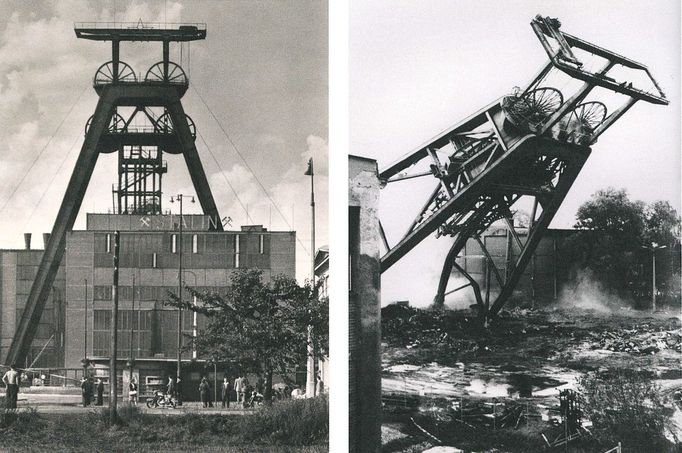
[654,246]
[311,382]
[179,197]
[215,380]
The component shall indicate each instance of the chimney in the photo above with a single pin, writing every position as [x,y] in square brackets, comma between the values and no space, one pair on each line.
[27,240]
[46,239]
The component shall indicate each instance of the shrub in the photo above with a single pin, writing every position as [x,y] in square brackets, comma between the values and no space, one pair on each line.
[291,422]
[626,406]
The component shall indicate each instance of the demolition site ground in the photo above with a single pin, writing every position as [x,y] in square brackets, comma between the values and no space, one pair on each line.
[447,381]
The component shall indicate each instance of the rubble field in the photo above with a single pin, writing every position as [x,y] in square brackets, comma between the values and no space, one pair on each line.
[446,379]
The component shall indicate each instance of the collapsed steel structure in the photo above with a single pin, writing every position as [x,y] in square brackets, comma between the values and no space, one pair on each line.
[155,123]
[533,143]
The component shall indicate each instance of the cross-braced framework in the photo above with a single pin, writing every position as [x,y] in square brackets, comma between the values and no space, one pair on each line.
[138,119]
[529,144]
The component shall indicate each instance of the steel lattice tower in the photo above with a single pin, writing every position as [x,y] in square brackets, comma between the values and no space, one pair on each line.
[166,129]
[532,143]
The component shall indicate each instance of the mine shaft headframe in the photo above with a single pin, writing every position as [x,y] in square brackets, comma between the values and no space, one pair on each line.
[107,131]
[532,143]
[559,47]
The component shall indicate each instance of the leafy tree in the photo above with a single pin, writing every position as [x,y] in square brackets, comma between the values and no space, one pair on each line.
[613,231]
[662,224]
[262,327]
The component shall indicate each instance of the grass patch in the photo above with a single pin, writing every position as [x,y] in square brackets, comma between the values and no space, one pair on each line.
[289,426]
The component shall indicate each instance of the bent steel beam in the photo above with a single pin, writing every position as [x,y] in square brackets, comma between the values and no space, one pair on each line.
[531,143]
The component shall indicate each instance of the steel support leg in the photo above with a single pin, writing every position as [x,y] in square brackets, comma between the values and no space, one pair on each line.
[196,170]
[54,249]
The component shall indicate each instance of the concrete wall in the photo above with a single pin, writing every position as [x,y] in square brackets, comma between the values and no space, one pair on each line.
[364,307]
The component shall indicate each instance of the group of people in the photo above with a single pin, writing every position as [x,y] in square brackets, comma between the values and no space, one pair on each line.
[88,388]
[240,391]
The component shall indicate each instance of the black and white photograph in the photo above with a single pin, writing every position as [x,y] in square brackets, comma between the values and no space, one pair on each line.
[164,247]
[514,226]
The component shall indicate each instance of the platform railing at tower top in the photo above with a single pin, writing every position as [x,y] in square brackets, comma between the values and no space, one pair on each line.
[139,25]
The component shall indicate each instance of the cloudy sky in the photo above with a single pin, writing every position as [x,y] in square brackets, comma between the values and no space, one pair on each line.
[417,68]
[262,70]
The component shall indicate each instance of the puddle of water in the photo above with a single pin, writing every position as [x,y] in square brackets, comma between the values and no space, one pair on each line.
[476,380]
[402,368]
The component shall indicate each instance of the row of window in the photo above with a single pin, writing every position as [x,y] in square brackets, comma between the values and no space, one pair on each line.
[146,293]
[157,332]
[147,320]
[171,261]
[205,243]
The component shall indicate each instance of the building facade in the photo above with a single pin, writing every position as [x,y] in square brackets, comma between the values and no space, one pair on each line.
[76,322]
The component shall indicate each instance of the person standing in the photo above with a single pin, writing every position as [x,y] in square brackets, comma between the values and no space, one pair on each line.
[100,392]
[226,387]
[170,387]
[204,391]
[11,379]
[132,391]
[237,386]
[84,392]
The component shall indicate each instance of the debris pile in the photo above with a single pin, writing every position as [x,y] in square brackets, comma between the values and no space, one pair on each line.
[642,339]
[411,327]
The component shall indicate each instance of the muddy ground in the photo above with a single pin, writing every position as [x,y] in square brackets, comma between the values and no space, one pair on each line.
[449,382]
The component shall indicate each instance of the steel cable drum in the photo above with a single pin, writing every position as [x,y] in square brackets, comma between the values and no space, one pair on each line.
[528,111]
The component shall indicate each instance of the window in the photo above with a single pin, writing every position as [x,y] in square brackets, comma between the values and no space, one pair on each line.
[236,250]
[154,260]
[260,244]
[102,292]
[108,243]
[195,243]
[102,320]
[174,243]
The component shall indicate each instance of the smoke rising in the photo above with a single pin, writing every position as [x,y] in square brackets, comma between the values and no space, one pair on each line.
[588,293]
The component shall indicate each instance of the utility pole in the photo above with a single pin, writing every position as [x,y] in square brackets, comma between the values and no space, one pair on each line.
[311,381]
[85,335]
[132,317]
[114,331]
[179,197]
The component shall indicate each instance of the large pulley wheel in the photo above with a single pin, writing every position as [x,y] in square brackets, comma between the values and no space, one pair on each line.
[589,115]
[165,124]
[175,74]
[530,110]
[117,124]
[175,77]
[106,75]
